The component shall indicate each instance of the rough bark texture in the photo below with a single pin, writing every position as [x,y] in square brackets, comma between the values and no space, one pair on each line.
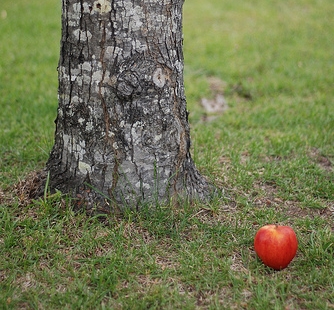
[122,130]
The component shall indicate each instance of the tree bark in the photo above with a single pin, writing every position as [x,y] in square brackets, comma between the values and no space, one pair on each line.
[122,133]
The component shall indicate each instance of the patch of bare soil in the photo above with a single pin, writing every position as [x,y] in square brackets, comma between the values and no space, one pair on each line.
[266,195]
[323,161]
[218,104]
[25,191]
[269,198]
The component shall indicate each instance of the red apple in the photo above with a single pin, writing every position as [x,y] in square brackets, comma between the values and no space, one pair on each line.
[276,245]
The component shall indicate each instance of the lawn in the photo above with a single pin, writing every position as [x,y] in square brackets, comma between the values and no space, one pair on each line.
[271,149]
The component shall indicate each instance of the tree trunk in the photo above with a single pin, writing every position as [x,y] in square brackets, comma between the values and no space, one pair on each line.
[122,133]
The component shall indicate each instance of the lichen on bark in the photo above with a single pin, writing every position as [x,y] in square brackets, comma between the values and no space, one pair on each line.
[122,133]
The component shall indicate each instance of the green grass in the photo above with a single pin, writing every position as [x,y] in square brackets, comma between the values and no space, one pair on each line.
[272,149]
[29,34]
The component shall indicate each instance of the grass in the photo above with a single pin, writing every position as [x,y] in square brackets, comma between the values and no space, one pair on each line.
[272,149]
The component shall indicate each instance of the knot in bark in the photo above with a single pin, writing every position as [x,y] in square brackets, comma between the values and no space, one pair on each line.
[138,75]
[127,85]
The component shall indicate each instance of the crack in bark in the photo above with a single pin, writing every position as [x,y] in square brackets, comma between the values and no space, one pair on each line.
[107,121]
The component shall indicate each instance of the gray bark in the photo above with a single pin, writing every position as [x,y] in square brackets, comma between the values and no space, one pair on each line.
[122,133]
